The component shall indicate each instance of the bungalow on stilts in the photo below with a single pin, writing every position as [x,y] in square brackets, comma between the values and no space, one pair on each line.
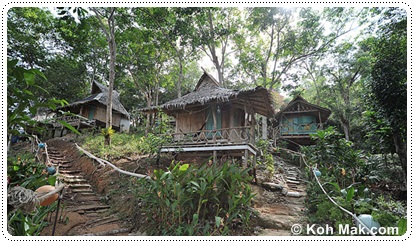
[218,122]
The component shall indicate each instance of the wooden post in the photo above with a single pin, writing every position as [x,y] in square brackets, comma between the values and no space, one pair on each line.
[246,157]
[264,128]
[252,127]
[320,122]
[214,157]
[254,167]
[214,109]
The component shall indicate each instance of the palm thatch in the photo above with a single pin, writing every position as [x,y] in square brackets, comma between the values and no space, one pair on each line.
[209,91]
[100,94]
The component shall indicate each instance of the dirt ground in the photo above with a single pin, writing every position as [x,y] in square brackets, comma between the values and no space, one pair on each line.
[277,211]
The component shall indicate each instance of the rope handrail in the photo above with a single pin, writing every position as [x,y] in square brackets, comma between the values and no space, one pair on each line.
[105,162]
[324,191]
[25,199]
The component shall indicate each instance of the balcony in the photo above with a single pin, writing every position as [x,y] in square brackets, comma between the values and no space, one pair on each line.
[235,139]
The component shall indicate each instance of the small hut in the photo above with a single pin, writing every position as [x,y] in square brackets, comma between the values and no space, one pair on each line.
[216,121]
[298,120]
[94,106]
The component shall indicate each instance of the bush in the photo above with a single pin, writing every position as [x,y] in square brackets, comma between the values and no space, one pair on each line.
[24,171]
[347,176]
[124,144]
[185,200]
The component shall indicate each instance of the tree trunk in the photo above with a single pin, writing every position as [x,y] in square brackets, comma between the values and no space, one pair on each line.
[401,149]
[214,53]
[112,48]
[148,123]
[346,131]
[180,78]
[110,37]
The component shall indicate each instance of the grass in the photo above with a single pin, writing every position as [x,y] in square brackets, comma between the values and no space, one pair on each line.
[123,145]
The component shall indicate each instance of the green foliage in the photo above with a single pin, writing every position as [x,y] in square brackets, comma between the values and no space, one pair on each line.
[333,154]
[266,158]
[388,86]
[24,171]
[22,104]
[124,144]
[29,224]
[185,200]
[348,180]
[389,72]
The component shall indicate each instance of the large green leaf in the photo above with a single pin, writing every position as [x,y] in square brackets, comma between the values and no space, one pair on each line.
[402,226]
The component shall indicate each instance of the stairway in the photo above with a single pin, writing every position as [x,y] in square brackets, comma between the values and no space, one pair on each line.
[281,202]
[83,212]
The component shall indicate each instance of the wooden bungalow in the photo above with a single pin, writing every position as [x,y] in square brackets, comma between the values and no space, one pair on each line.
[298,120]
[94,106]
[215,121]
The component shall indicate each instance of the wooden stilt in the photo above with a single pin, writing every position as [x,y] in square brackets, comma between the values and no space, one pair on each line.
[246,157]
[215,157]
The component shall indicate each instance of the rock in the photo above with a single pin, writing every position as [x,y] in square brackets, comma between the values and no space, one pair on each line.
[270,221]
[272,186]
[293,194]
[293,182]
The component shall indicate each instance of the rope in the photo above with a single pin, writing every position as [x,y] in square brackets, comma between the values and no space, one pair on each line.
[104,162]
[20,197]
[38,149]
[26,200]
[324,191]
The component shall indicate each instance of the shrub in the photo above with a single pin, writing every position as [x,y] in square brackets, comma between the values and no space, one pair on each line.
[185,200]
[24,171]
[124,144]
[344,177]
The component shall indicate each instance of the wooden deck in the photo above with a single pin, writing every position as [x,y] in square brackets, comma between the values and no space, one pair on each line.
[237,141]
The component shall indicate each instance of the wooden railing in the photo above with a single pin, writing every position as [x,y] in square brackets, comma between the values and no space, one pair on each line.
[298,130]
[222,136]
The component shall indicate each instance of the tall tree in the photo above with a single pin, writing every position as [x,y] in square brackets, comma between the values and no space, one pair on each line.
[109,31]
[174,28]
[338,84]
[279,39]
[213,32]
[389,77]
[55,53]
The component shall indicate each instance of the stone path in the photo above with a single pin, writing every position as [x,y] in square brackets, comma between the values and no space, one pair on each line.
[281,202]
[83,212]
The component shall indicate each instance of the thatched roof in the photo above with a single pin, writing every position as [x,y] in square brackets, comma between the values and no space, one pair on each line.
[300,105]
[209,91]
[99,93]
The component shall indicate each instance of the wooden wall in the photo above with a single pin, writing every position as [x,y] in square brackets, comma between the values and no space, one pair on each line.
[192,121]
[99,113]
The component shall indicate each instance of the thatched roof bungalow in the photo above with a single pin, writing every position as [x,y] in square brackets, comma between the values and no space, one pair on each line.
[212,118]
[299,119]
[93,107]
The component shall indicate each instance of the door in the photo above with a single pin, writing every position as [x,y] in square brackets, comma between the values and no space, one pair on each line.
[91,113]
[210,123]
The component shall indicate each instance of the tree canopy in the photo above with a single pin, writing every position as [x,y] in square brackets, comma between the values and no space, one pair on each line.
[335,57]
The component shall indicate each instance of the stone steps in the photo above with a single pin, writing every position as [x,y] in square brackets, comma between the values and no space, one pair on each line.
[80,199]
[287,208]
